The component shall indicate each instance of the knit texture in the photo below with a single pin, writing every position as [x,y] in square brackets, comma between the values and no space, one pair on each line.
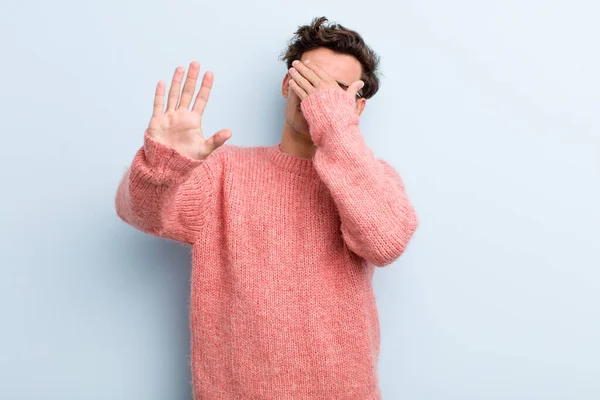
[283,251]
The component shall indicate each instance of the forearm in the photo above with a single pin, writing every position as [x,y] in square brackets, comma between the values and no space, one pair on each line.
[377,217]
[162,193]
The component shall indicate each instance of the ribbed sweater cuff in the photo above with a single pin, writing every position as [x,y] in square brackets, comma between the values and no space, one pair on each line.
[168,164]
[330,112]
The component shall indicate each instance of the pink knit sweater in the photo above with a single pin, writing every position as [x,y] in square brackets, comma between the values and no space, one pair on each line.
[284,249]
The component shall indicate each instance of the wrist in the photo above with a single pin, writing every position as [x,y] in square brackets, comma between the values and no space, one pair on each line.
[167,160]
[329,110]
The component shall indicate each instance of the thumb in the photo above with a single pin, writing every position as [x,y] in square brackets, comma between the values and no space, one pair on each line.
[355,87]
[218,139]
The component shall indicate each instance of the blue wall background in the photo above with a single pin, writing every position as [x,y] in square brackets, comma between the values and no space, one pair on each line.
[489,110]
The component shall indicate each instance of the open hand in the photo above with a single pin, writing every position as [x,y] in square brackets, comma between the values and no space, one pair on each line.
[177,126]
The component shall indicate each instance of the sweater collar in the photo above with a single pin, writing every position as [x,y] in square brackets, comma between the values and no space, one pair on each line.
[288,162]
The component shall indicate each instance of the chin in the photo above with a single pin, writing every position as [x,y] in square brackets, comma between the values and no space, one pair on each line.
[303,130]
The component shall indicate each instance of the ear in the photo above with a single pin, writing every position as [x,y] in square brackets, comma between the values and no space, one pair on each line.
[360,105]
[285,86]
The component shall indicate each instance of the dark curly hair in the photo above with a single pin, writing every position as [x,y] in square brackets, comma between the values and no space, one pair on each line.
[341,40]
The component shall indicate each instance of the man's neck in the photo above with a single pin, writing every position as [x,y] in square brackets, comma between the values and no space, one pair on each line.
[296,145]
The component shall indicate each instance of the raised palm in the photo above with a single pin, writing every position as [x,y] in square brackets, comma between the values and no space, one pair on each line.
[177,126]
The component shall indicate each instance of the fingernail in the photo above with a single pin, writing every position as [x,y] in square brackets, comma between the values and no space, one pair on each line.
[307,62]
[295,62]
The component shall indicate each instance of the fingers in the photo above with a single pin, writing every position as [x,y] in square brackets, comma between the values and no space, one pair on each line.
[175,87]
[306,72]
[298,90]
[301,81]
[190,85]
[203,93]
[318,71]
[159,99]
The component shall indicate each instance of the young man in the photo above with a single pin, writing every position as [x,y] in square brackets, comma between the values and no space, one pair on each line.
[284,238]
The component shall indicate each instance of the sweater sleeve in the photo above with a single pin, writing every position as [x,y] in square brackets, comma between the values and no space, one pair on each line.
[377,218]
[165,193]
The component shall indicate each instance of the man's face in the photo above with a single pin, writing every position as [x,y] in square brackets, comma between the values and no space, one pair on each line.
[341,67]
